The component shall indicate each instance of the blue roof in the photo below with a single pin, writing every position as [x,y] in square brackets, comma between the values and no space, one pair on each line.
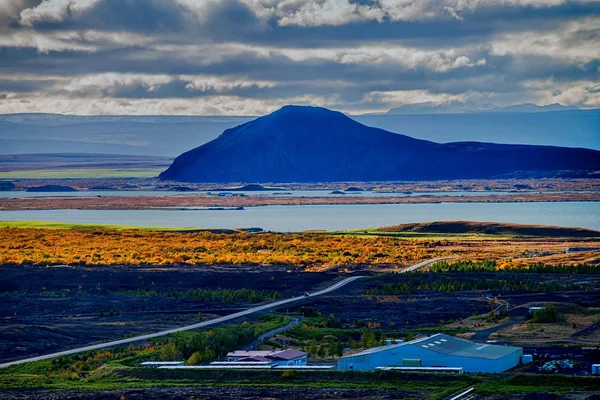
[449,345]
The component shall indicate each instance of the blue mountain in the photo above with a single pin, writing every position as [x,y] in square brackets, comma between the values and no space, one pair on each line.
[311,144]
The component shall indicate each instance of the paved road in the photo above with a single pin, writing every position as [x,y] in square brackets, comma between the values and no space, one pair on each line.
[422,264]
[268,335]
[203,324]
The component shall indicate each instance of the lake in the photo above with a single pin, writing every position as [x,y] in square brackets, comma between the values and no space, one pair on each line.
[329,217]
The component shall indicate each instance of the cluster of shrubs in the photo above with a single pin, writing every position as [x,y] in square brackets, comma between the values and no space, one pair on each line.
[113,312]
[224,296]
[418,282]
[493,266]
[546,315]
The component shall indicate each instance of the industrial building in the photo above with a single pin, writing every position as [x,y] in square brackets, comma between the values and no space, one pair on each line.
[436,351]
[287,357]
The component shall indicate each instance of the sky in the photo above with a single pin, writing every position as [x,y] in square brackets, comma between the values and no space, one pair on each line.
[250,57]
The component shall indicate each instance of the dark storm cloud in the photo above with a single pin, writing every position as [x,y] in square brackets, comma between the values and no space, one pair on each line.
[450,52]
[143,16]
[232,20]
[474,28]
[10,11]
[28,86]
[499,74]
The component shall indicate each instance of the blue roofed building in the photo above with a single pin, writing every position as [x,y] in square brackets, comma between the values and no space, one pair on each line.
[436,351]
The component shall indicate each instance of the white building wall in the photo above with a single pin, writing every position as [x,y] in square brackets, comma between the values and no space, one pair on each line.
[296,361]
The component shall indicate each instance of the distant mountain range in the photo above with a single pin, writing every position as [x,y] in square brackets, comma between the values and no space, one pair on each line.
[458,107]
[311,144]
[157,135]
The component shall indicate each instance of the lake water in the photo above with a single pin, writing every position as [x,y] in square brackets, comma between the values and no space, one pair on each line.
[330,217]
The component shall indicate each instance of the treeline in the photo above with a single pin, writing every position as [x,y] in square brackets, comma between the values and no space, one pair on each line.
[444,284]
[194,347]
[91,360]
[493,266]
[325,336]
[224,296]
[198,347]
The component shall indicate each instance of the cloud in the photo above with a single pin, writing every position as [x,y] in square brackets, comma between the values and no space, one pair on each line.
[54,11]
[235,56]
[121,15]
[585,94]
[576,41]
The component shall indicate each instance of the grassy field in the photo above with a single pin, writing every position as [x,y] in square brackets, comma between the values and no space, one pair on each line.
[433,386]
[82,173]
[64,225]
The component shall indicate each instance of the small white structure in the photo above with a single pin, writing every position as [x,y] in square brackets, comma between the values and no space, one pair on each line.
[158,364]
[532,310]
[442,370]
[526,358]
[595,369]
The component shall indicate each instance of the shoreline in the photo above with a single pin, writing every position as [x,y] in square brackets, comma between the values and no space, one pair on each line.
[150,203]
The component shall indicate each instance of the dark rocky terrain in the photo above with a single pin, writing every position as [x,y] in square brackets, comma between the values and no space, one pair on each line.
[51,188]
[65,307]
[216,393]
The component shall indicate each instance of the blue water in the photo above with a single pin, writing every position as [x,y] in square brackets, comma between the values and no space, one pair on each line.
[330,217]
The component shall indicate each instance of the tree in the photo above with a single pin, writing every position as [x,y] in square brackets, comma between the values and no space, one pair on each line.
[195,359]
[321,352]
[312,349]
[352,343]
[546,315]
[171,353]
[367,339]
[339,351]
[332,348]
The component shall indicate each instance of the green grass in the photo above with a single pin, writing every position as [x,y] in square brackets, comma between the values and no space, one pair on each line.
[436,386]
[82,173]
[118,377]
[65,225]
[539,383]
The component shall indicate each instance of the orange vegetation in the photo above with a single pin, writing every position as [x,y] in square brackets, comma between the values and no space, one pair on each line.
[311,251]
[131,247]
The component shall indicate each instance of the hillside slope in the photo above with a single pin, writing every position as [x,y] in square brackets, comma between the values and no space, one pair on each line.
[490,228]
[309,144]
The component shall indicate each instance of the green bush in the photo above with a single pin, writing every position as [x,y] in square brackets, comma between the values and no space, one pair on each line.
[547,315]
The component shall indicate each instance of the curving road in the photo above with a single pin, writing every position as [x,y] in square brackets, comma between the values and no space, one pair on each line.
[422,264]
[203,324]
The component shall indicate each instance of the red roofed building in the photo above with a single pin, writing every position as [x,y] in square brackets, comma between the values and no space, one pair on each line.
[276,357]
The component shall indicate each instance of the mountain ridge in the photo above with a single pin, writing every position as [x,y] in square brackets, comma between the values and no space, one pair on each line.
[458,107]
[310,144]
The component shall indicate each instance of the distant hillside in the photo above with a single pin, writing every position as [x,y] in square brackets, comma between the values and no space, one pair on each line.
[171,135]
[56,161]
[311,144]
[491,228]
[458,107]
